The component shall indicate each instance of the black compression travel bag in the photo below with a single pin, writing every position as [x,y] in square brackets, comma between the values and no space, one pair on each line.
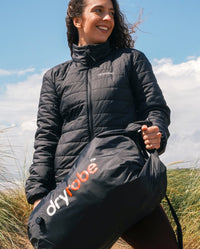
[111,186]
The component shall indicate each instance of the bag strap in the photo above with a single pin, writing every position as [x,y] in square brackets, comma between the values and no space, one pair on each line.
[178,225]
[179,233]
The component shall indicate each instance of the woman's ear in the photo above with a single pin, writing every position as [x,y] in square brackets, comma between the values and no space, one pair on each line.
[77,22]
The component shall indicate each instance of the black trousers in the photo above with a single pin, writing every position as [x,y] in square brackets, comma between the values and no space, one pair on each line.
[152,232]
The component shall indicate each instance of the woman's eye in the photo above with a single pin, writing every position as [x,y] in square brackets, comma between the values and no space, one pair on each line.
[98,11]
[112,14]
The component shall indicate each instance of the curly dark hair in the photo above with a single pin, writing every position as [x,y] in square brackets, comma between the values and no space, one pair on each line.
[121,35]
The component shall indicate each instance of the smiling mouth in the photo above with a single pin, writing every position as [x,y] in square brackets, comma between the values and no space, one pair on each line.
[103,28]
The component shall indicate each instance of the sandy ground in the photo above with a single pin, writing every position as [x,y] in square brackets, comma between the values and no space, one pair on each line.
[120,244]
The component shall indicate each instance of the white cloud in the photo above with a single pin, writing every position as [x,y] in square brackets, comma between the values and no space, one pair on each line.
[4,72]
[19,102]
[29,125]
[181,87]
[18,111]
[188,72]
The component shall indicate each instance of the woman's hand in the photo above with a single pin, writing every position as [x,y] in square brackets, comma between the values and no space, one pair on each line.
[36,203]
[151,136]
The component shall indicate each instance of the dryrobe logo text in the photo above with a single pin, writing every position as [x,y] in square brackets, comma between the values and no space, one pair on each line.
[74,186]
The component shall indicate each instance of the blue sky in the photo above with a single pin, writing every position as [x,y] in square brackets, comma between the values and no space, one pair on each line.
[33,32]
[33,39]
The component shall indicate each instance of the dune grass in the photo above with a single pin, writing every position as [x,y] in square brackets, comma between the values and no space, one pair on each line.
[183,191]
[14,211]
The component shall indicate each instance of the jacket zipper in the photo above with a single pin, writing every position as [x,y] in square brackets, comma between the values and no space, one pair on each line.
[89,98]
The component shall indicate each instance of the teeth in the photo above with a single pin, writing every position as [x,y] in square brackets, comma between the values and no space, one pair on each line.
[104,28]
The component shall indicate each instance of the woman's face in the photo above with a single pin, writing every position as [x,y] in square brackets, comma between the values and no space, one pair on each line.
[96,22]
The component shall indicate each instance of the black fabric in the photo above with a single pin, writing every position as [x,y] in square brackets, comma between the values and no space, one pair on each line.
[110,187]
[98,90]
[154,231]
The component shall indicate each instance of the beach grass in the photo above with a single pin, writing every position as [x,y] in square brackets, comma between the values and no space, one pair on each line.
[14,213]
[183,191]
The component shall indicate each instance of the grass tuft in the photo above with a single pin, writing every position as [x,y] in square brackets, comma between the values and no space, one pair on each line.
[14,213]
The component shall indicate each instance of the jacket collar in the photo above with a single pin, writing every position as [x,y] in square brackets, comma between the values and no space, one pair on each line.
[90,54]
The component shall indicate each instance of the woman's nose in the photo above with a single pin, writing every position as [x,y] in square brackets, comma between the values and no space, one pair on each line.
[108,16]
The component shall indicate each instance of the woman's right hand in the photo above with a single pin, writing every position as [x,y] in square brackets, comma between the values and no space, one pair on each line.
[36,203]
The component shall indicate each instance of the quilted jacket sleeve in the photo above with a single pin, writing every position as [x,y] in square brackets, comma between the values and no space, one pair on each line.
[149,99]
[41,179]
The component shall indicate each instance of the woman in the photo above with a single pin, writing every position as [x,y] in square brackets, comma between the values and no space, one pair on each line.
[106,85]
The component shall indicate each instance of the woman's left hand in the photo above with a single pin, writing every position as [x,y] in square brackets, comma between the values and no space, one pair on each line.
[151,136]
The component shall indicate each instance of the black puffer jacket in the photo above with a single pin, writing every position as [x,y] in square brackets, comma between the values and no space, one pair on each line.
[99,89]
